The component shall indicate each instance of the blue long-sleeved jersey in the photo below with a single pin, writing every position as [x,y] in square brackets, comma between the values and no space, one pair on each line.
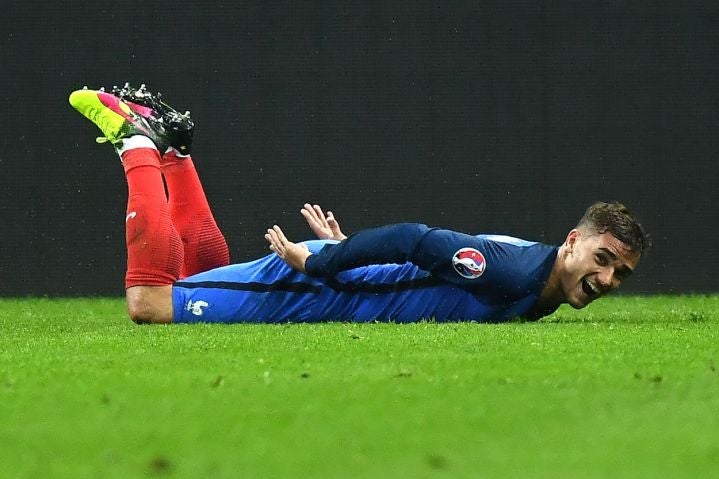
[401,273]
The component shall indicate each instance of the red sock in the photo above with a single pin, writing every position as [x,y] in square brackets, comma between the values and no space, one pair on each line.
[154,248]
[205,246]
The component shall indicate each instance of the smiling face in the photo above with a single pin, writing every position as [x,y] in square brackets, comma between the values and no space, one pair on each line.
[593,265]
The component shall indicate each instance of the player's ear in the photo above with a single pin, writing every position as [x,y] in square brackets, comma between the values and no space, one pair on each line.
[572,238]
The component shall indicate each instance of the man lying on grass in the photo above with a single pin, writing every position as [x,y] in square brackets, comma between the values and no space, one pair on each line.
[178,263]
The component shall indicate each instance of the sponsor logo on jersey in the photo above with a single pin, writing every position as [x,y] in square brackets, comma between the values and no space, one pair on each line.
[469,263]
[196,307]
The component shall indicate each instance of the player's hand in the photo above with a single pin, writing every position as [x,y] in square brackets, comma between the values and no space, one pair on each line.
[293,254]
[324,226]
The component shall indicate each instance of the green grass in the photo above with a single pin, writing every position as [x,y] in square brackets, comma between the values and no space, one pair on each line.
[628,387]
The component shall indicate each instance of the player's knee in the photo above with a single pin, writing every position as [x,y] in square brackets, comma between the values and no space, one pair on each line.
[141,312]
[147,304]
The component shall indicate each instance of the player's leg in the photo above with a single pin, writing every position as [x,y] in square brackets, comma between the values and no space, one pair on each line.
[154,248]
[204,245]
[150,304]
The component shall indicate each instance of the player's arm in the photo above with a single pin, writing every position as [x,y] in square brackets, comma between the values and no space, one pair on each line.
[430,249]
[434,250]
[384,245]
[324,226]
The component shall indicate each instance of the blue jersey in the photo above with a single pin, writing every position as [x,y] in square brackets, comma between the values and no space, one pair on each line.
[401,273]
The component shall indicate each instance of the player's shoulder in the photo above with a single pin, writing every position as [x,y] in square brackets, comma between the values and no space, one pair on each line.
[518,264]
[515,246]
[516,255]
[509,240]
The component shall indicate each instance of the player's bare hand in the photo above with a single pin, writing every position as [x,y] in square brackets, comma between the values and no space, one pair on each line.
[324,226]
[293,254]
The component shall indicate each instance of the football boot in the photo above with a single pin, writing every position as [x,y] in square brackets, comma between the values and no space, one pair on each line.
[116,120]
[179,127]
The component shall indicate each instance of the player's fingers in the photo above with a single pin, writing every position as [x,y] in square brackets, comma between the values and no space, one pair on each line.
[309,215]
[276,239]
[272,243]
[270,237]
[334,226]
[313,219]
[280,235]
[310,212]
[320,214]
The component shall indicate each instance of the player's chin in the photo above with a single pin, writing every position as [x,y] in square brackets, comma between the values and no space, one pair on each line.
[581,299]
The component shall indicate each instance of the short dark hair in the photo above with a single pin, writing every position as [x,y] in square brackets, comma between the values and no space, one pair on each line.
[616,219]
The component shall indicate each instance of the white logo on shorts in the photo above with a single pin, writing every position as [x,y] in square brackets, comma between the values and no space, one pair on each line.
[130,216]
[196,307]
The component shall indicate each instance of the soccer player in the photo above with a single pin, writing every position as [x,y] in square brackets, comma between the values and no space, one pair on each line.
[178,263]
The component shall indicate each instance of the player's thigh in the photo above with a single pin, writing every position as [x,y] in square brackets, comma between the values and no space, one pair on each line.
[150,304]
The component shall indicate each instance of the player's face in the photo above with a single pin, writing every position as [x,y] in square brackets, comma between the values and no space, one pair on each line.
[595,265]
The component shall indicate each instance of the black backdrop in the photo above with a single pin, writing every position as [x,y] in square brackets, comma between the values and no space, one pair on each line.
[506,116]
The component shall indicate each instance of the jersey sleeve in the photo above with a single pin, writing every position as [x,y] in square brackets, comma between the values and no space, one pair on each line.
[455,257]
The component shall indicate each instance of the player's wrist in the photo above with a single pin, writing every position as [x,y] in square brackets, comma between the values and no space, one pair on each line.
[310,265]
[303,263]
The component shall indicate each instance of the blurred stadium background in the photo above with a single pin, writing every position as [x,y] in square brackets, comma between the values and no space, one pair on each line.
[505,117]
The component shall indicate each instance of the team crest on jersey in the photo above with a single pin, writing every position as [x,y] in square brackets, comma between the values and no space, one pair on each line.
[469,263]
[196,307]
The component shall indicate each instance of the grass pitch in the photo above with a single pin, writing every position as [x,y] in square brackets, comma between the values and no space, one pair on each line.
[628,387]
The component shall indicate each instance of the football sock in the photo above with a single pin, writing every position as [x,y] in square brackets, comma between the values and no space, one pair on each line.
[205,246]
[154,248]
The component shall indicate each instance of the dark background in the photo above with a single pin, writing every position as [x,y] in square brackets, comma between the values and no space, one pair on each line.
[501,116]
